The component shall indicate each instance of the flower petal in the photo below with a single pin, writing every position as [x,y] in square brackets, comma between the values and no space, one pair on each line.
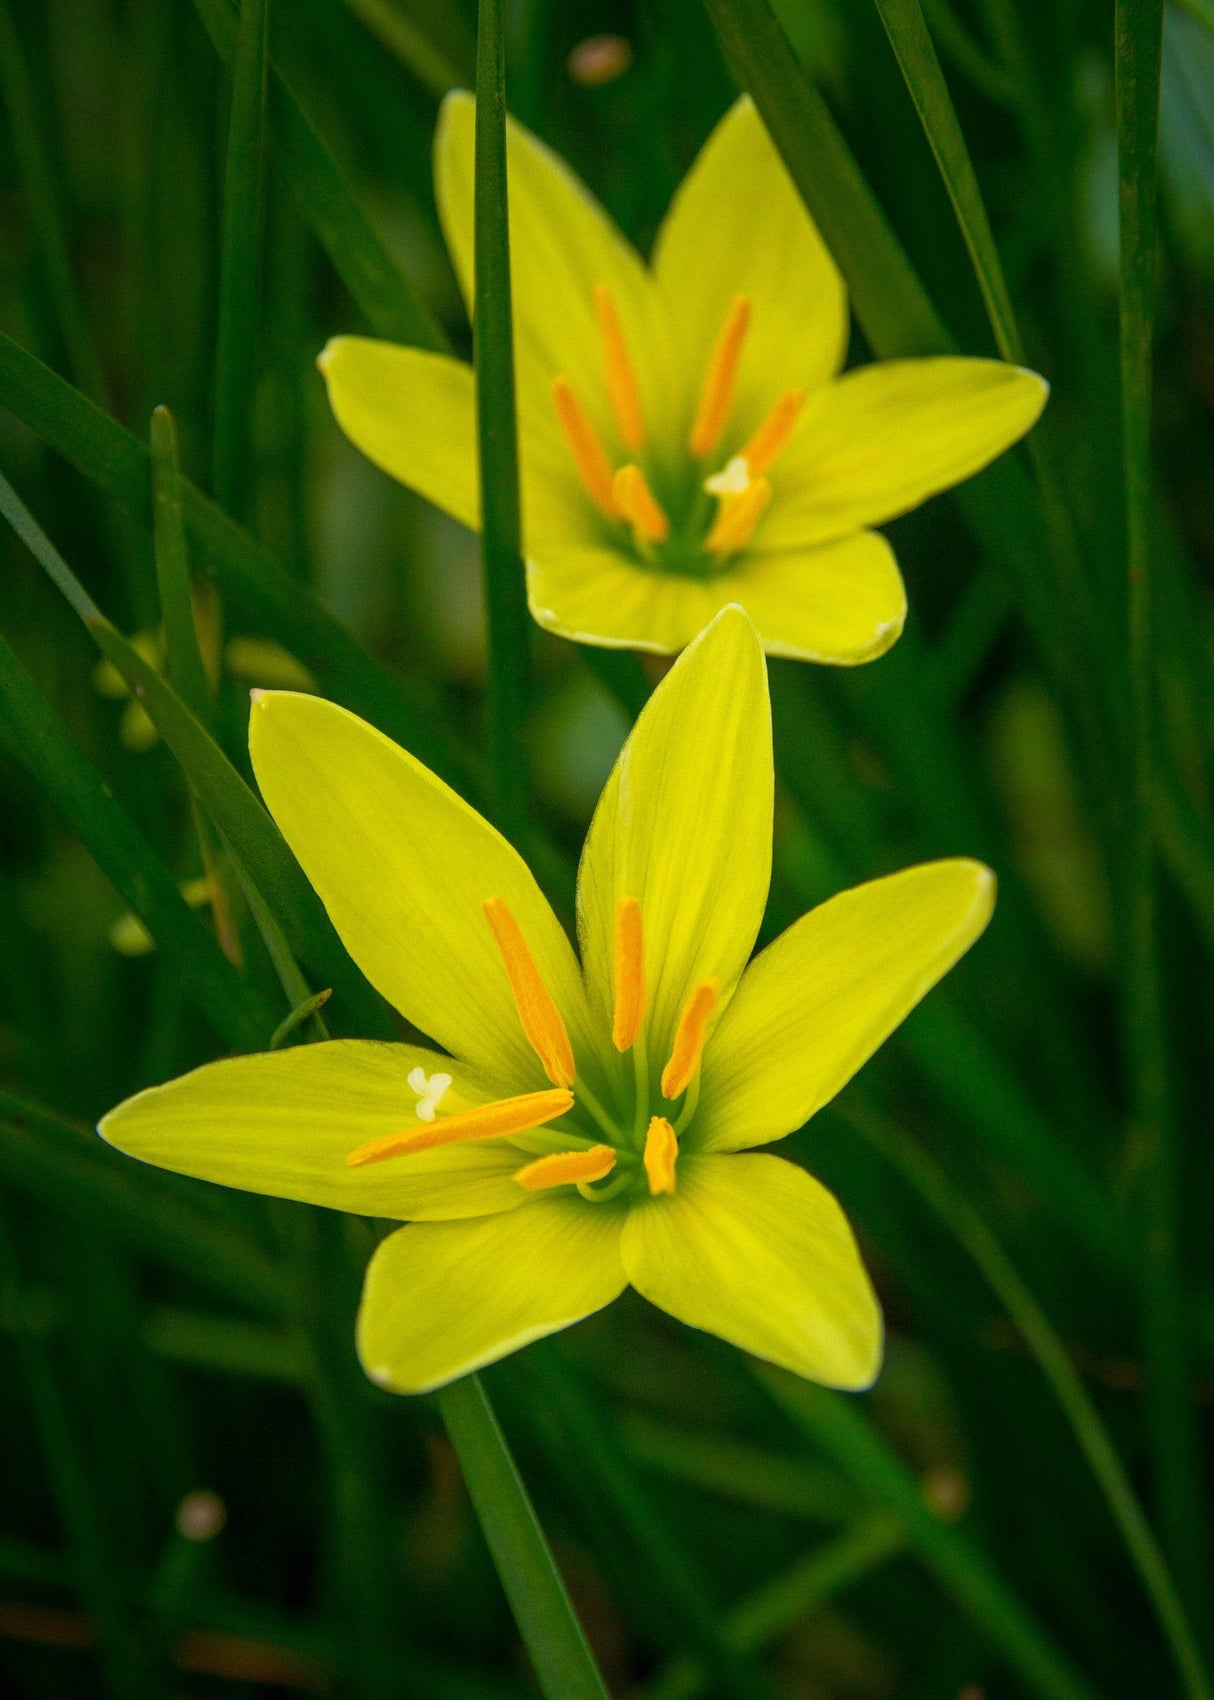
[594,594]
[443,1299]
[684,826]
[842,602]
[738,227]
[817,1002]
[757,1251]
[562,244]
[404,865]
[282,1124]
[886,437]
[411,412]
[414,415]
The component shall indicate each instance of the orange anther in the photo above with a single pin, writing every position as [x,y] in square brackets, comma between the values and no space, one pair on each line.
[737,517]
[774,432]
[717,395]
[566,1168]
[617,369]
[636,501]
[689,1039]
[487,1121]
[629,975]
[541,1019]
[661,1155]
[593,467]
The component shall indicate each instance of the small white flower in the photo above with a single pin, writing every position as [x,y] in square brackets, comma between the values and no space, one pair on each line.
[430,1090]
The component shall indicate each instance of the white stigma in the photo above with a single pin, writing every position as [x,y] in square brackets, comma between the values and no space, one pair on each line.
[733,478]
[429,1090]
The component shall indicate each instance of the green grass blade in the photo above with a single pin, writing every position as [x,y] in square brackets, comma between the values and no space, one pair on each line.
[47,1158]
[239,257]
[1171,1415]
[112,459]
[912,43]
[840,1428]
[244,823]
[362,260]
[186,670]
[718,1465]
[1093,1438]
[125,1663]
[506,609]
[431,39]
[42,194]
[791,1597]
[551,1633]
[43,745]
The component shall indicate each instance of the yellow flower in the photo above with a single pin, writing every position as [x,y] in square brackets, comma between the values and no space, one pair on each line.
[685,436]
[587,1126]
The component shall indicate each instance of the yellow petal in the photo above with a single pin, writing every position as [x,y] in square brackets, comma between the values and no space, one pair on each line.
[817,1002]
[594,594]
[404,867]
[757,1251]
[562,245]
[444,1298]
[738,227]
[886,437]
[840,602]
[413,413]
[684,826]
[282,1123]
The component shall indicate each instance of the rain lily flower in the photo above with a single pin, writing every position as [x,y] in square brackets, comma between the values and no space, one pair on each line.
[587,1125]
[686,438]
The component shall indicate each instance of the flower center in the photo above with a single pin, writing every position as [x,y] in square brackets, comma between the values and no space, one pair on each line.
[572,1138]
[685,536]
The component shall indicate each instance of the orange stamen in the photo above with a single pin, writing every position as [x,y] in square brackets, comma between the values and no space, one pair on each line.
[661,1155]
[689,1040]
[636,501]
[487,1121]
[737,517]
[566,1168]
[541,1019]
[617,368]
[593,467]
[774,432]
[629,975]
[717,394]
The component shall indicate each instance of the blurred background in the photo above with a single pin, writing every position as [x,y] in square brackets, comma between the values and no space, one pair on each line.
[199,1494]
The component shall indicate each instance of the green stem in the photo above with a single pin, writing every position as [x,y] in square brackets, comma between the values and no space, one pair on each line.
[1173,1428]
[553,1637]
[1039,1335]
[236,338]
[501,524]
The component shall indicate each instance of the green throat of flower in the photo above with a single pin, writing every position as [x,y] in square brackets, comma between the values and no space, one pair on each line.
[715,513]
[571,1138]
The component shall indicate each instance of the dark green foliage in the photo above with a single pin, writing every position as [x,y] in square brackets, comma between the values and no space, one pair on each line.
[193,198]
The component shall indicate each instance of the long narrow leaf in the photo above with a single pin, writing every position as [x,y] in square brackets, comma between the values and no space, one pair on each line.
[507,616]
[911,40]
[228,800]
[839,1427]
[42,743]
[362,260]
[112,459]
